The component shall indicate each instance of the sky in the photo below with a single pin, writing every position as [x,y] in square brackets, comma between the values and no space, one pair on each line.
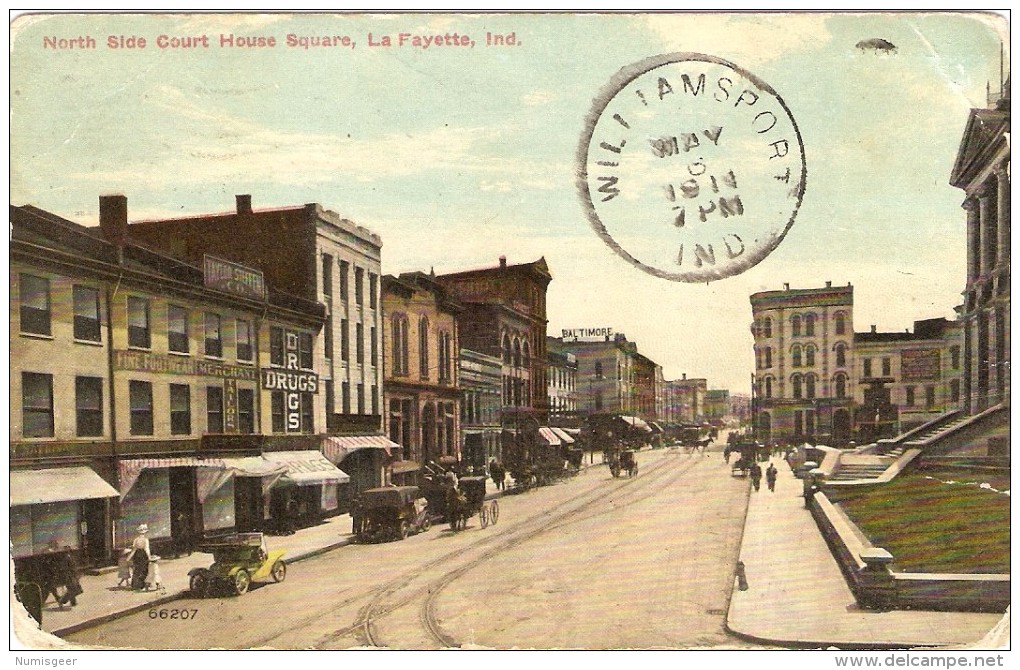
[457,155]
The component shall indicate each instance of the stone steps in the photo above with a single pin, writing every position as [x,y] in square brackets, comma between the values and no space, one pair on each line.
[852,471]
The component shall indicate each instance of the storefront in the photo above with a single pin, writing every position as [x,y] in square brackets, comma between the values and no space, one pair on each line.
[307,490]
[366,458]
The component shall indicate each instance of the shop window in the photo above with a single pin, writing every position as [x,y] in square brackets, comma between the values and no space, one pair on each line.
[276,348]
[140,402]
[139,334]
[180,409]
[305,351]
[246,411]
[213,336]
[177,329]
[34,298]
[88,406]
[86,314]
[214,409]
[37,404]
[245,350]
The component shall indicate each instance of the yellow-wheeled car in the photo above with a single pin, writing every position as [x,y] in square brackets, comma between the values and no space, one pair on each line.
[238,560]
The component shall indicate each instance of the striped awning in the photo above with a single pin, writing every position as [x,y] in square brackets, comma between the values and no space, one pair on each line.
[338,447]
[563,435]
[307,468]
[34,487]
[253,466]
[547,435]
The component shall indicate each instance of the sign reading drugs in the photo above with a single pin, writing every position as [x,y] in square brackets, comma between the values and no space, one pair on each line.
[292,380]
[588,334]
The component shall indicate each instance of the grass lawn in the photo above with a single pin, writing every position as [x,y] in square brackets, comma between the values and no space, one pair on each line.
[932,525]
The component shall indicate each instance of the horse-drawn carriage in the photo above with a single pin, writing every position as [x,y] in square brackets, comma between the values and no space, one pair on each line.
[746,454]
[623,461]
[390,512]
[468,499]
[238,560]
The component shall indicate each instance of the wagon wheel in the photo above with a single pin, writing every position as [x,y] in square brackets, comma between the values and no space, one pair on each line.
[242,580]
[403,529]
[279,571]
[199,583]
[483,516]
[493,512]
[426,523]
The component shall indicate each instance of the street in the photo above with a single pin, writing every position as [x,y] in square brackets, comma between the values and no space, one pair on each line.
[592,562]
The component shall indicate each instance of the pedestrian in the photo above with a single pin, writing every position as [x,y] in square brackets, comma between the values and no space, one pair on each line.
[139,558]
[756,476]
[770,476]
[124,569]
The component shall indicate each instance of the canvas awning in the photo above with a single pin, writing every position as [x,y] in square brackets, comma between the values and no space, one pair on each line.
[401,467]
[656,428]
[547,435]
[34,487]
[563,435]
[338,447]
[252,466]
[307,468]
[638,423]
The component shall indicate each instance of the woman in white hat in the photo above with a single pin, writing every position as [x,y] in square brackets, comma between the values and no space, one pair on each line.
[139,558]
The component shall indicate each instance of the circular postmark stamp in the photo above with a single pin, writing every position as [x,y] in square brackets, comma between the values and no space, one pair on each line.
[690,167]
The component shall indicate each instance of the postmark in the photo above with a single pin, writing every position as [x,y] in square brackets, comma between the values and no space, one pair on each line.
[690,167]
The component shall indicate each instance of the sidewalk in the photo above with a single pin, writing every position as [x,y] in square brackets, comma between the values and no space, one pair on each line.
[797,596]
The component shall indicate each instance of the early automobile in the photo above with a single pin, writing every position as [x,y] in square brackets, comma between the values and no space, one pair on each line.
[467,500]
[391,512]
[238,560]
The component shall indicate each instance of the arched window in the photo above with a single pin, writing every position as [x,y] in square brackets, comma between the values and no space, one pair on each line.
[507,355]
[797,382]
[795,355]
[517,353]
[809,325]
[423,347]
[840,354]
[839,382]
[795,325]
[768,387]
[840,320]
[527,354]
[810,381]
[758,359]
[809,355]
[398,327]
[768,357]
[766,326]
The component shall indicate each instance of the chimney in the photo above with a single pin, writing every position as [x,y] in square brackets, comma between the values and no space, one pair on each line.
[502,261]
[113,218]
[786,287]
[828,284]
[243,204]
[874,328]
[683,377]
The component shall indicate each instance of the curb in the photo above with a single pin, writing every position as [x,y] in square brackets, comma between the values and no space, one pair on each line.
[162,600]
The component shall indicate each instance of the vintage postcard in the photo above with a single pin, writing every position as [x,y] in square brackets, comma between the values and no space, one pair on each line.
[505,331]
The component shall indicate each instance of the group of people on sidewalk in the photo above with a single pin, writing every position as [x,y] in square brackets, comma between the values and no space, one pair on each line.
[770,476]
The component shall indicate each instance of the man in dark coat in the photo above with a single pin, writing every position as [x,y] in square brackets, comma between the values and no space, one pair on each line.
[756,476]
[770,476]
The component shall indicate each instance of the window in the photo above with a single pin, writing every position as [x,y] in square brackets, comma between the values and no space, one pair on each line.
[276,346]
[214,409]
[886,367]
[910,396]
[330,398]
[140,400]
[138,323]
[954,390]
[305,351]
[246,411]
[375,399]
[795,354]
[279,420]
[345,271]
[954,357]
[327,337]
[34,295]
[245,351]
[177,329]
[361,398]
[768,387]
[598,369]
[798,422]
[841,355]
[767,327]
[88,406]
[375,347]
[809,356]
[839,381]
[445,371]
[345,397]
[795,325]
[797,382]
[867,367]
[768,357]
[526,354]
[929,396]
[36,404]
[423,347]
[86,314]
[517,353]
[359,289]
[400,356]
[508,355]
[180,409]
[809,382]
[307,411]
[373,280]
[327,275]
[213,336]
[359,342]
[345,341]
[809,325]
[840,326]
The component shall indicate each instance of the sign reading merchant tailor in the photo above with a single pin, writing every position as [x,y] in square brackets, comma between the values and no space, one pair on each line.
[233,278]
[144,361]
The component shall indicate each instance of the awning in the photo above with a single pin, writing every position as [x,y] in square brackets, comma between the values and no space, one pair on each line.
[656,428]
[307,468]
[128,470]
[576,432]
[563,435]
[637,423]
[34,487]
[547,435]
[401,467]
[338,447]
